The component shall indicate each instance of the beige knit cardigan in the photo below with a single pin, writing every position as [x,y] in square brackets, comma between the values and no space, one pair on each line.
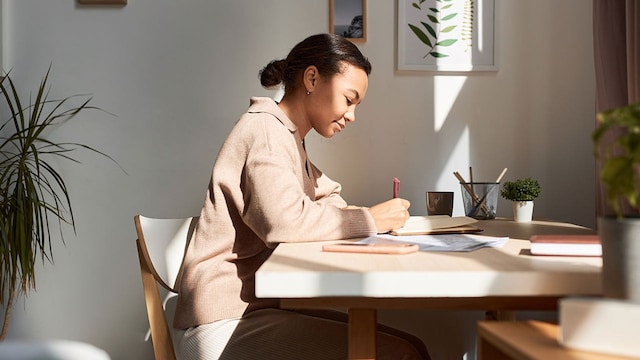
[263,191]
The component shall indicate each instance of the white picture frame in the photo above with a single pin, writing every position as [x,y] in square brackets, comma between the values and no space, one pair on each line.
[448,36]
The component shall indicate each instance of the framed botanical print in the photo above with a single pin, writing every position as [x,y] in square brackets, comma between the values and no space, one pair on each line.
[437,35]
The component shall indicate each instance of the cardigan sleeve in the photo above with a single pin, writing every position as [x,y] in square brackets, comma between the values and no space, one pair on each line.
[277,208]
[327,191]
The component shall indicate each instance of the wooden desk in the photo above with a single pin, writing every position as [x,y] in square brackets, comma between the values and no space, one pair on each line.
[527,340]
[508,278]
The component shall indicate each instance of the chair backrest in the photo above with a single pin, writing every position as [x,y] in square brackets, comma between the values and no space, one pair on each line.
[161,245]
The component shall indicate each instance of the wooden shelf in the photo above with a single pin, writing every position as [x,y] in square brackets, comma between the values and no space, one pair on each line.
[527,340]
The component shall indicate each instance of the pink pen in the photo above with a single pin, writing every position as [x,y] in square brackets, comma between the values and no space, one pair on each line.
[396,187]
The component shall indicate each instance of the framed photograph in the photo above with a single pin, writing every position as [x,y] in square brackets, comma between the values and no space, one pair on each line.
[349,19]
[103,2]
[457,36]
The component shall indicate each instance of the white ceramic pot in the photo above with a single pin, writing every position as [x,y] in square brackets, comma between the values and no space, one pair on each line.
[522,211]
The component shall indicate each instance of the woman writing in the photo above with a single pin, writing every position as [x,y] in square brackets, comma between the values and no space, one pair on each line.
[263,191]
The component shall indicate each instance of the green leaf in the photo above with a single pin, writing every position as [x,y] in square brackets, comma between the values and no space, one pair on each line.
[448,28]
[433,19]
[421,35]
[447,42]
[449,17]
[438,55]
[430,29]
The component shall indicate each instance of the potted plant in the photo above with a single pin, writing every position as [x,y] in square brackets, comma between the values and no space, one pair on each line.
[616,141]
[33,194]
[521,193]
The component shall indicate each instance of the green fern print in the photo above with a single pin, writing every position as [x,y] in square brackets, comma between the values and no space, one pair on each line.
[439,21]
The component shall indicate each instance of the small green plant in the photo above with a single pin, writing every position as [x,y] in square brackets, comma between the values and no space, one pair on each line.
[526,189]
[616,142]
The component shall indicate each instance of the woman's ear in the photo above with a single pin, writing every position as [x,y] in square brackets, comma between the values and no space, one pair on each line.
[310,78]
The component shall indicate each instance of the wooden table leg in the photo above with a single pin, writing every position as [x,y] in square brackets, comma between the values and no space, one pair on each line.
[362,334]
[500,315]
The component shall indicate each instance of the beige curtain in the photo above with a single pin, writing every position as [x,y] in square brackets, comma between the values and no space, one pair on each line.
[616,42]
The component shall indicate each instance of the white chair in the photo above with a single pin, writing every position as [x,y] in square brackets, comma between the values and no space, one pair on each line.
[161,245]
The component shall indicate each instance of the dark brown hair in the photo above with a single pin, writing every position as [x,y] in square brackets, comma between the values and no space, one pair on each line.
[324,51]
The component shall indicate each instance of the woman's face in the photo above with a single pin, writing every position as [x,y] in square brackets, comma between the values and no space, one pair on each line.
[335,100]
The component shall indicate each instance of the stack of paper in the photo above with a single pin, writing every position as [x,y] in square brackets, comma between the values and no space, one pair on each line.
[439,233]
[442,242]
[437,224]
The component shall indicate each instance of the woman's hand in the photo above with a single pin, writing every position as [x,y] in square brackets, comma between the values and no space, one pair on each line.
[391,214]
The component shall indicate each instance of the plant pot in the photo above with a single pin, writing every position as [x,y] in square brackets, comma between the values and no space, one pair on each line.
[620,240]
[522,211]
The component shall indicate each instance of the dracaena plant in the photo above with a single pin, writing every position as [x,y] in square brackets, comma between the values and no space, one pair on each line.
[616,142]
[33,194]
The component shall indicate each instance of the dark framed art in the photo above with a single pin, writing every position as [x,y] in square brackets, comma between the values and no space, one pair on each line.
[348,18]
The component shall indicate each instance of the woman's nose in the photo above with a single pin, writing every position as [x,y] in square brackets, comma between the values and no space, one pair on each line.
[350,116]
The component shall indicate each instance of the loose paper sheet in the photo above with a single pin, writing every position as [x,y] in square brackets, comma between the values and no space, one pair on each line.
[448,242]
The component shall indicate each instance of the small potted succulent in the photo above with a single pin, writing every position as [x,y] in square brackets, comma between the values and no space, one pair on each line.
[521,193]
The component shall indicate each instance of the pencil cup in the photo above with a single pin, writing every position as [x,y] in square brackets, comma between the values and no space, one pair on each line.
[480,199]
[439,203]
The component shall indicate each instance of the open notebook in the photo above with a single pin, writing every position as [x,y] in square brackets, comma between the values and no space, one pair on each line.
[437,224]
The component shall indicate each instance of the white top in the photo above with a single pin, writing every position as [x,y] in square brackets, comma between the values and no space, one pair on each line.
[301,270]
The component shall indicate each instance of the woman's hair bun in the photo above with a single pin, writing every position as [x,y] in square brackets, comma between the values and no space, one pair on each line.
[273,74]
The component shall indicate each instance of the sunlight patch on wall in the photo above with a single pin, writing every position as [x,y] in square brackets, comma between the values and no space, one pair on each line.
[459,155]
[446,90]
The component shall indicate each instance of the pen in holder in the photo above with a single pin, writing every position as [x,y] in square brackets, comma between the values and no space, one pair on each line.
[480,199]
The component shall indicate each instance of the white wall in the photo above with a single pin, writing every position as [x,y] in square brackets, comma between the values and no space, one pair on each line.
[178,73]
